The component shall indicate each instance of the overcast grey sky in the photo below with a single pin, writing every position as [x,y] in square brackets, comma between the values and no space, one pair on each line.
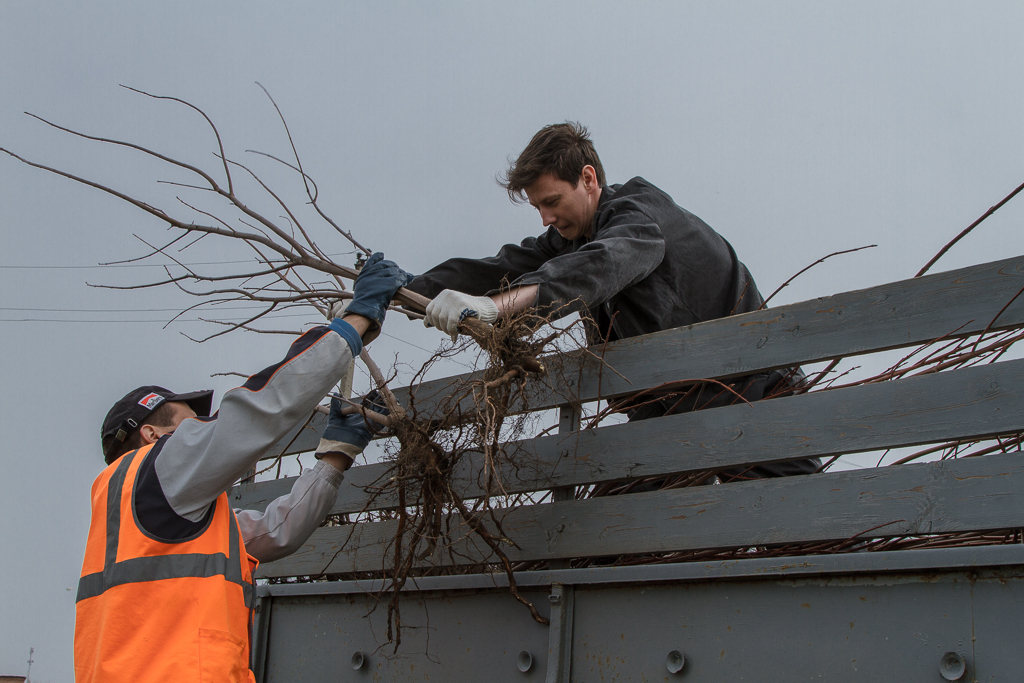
[794,129]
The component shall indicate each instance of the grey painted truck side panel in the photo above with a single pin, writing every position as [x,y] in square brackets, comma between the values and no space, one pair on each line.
[875,627]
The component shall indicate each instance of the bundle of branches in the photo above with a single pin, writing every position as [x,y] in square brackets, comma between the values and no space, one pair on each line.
[293,270]
[286,254]
[479,417]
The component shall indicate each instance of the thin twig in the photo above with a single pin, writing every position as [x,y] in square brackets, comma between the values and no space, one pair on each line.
[966,230]
[801,272]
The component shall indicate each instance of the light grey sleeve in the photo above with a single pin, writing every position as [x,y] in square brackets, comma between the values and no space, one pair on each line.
[203,458]
[289,520]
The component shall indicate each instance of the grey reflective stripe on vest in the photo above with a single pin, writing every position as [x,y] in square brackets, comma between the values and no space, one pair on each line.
[114,486]
[158,567]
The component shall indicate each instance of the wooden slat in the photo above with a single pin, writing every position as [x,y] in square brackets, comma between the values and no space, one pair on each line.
[971,494]
[894,315]
[962,404]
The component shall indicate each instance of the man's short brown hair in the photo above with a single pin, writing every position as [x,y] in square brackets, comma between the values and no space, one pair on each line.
[562,149]
[162,416]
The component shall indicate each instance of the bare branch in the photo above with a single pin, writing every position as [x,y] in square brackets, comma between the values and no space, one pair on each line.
[130,145]
[220,145]
[291,216]
[247,328]
[298,162]
[152,253]
[966,230]
[231,326]
[801,272]
[306,177]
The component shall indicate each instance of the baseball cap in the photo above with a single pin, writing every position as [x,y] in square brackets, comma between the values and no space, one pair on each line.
[134,409]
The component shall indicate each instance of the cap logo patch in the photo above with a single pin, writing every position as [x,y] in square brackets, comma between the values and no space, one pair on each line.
[150,401]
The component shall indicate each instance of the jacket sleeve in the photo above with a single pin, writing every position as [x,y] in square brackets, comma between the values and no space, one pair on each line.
[289,520]
[205,456]
[626,249]
[478,277]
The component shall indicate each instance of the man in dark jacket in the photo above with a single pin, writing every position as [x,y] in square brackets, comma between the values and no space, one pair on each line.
[625,255]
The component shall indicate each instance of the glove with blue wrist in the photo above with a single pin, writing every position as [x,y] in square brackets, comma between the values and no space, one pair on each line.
[350,434]
[376,285]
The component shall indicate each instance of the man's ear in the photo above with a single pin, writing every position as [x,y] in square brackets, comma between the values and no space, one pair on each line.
[149,434]
[589,177]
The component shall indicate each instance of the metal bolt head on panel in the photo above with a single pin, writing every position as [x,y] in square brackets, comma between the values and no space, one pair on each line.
[952,666]
[358,660]
[675,661]
[524,661]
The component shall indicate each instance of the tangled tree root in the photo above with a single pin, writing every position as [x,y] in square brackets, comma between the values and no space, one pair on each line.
[474,417]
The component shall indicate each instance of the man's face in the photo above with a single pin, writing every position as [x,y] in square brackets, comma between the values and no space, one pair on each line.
[570,210]
[182,411]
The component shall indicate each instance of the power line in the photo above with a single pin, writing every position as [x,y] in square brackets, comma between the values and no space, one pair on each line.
[150,265]
[405,341]
[194,320]
[122,310]
[132,265]
[161,320]
[65,320]
[158,320]
[125,310]
[150,320]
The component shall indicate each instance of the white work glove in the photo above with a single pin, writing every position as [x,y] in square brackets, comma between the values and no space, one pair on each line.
[449,308]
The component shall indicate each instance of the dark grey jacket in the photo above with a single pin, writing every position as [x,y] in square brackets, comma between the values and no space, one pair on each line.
[651,264]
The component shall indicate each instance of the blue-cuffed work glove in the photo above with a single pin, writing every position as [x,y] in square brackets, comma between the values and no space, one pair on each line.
[350,434]
[376,285]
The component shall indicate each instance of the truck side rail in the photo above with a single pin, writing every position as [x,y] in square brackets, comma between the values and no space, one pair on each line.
[961,495]
[901,314]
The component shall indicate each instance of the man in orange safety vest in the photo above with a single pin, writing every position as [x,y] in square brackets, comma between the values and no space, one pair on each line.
[167,589]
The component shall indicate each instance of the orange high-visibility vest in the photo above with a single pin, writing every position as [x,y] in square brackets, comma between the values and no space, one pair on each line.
[150,610]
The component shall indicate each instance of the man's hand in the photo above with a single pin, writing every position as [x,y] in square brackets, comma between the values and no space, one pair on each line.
[338,308]
[367,329]
[449,308]
[348,435]
[373,290]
